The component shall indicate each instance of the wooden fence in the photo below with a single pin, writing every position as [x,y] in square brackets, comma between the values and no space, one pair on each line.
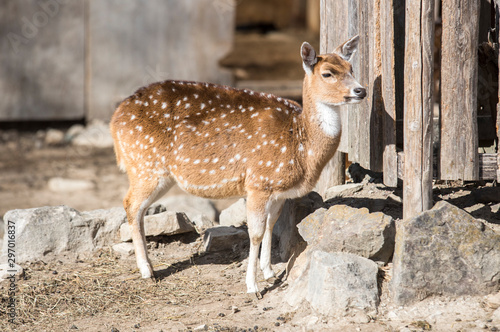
[392,130]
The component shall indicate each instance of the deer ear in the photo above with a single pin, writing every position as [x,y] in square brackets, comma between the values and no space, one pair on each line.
[308,57]
[347,49]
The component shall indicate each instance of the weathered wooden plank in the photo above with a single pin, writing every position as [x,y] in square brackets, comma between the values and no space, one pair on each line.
[42,60]
[362,136]
[488,166]
[497,26]
[417,185]
[133,43]
[333,32]
[376,148]
[354,110]
[459,142]
[390,161]
[334,174]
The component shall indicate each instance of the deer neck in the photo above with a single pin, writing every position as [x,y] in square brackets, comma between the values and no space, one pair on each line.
[322,130]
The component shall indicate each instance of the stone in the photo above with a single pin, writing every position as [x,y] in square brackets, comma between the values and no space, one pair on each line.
[58,184]
[74,131]
[345,229]
[493,301]
[124,248]
[192,206]
[285,232]
[235,215]
[7,271]
[342,190]
[155,209]
[54,137]
[444,251]
[202,223]
[45,230]
[165,223]
[107,223]
[495,316]
[95,135]
[224,238]
[336,284]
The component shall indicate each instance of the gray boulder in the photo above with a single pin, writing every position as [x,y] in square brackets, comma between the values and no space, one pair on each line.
[224,238]
[335,284]
[444,251]
[45,230]
[124,248]
[342,190]
[235,215]
[192,206]
[165,223]
[345,229]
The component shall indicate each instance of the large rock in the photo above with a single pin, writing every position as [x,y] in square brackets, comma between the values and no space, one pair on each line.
[285,231]
[235,215]
[192,206]
[165,223]
[44,230]
[444,251]
[342,190]
[345,229]
[224,238]
[335,284]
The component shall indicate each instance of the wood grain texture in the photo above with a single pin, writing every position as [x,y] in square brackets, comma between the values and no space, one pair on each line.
[459,141]
[333,32]
[388,57]
[417,184]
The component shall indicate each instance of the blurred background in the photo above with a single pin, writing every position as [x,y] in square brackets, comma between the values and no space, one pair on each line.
[74,61]
[66,64]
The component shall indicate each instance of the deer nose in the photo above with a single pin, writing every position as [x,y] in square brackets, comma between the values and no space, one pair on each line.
[360,92]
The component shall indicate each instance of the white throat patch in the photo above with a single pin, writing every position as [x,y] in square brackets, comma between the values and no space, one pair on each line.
[329,119]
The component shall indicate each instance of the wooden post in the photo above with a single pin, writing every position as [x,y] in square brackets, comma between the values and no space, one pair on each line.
[388,54]
[334,31]
[459,140]
[417,189]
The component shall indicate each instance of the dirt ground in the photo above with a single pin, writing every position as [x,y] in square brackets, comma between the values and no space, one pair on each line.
[101,291]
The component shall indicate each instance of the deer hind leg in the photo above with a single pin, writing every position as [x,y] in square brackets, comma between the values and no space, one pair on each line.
[261,216]
[139,197]
[273,212]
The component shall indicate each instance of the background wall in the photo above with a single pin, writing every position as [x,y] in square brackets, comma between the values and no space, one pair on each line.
[69,60]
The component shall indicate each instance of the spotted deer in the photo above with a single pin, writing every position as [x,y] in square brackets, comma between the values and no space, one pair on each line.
[216,141]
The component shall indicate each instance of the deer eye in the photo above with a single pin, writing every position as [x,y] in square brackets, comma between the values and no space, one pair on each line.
[326,75]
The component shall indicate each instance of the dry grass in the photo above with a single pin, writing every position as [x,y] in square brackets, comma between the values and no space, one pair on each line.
[102,284]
